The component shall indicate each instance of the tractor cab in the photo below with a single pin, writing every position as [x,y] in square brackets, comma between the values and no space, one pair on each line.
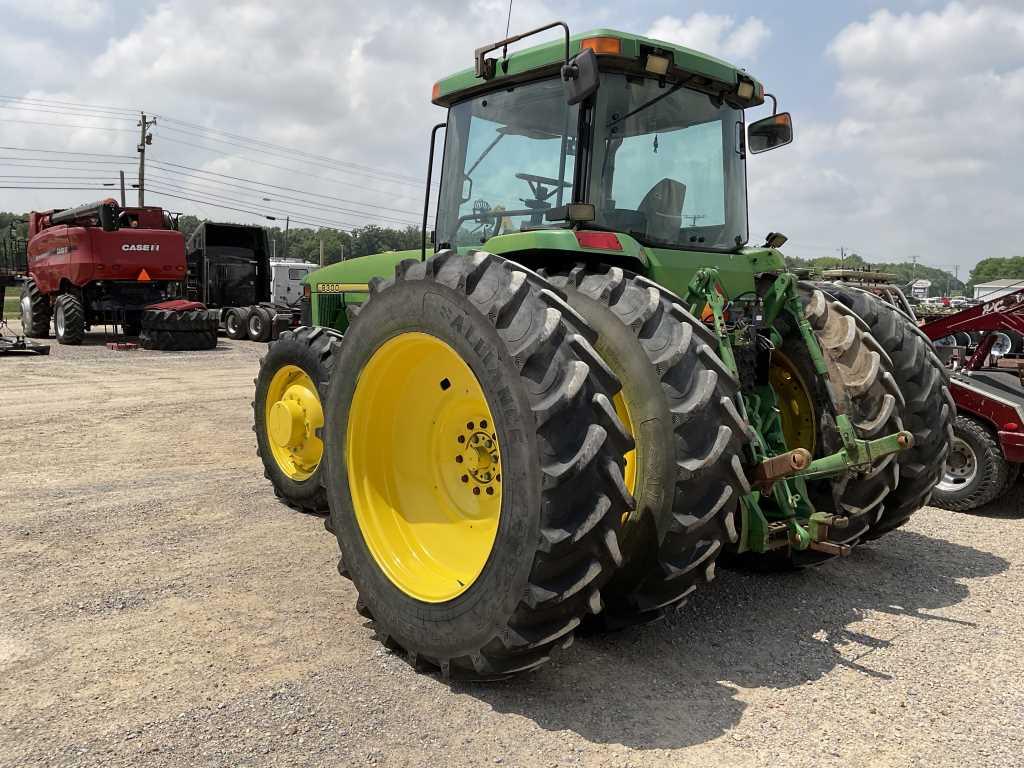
[655,150]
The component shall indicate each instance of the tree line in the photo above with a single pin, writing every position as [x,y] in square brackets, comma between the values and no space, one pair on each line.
[304,243]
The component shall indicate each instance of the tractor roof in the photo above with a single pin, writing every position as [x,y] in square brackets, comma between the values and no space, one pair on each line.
[707,72]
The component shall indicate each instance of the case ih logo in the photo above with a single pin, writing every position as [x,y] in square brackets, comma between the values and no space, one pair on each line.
[139,247]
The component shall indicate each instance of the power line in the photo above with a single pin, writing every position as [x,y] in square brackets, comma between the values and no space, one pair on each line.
[67,125]
[275,186]
[321,220]
[34,100]
[65,152]
[309,210]
[281,198]
[292,171]
[240,210]
[306,157]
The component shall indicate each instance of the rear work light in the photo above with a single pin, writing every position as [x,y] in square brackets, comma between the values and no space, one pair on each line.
[306,291]
[604,241]
[608,46]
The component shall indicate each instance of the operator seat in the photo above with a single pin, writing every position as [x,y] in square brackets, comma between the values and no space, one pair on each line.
[662,208]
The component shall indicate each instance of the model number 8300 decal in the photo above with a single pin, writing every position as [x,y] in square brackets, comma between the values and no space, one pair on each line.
[342,288]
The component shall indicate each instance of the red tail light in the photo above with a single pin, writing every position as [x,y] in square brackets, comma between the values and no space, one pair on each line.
[604,241]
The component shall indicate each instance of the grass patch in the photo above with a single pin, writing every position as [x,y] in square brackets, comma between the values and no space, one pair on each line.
[11,308]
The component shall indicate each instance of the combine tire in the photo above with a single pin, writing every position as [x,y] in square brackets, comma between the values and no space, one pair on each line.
[69,319]
[190,321]
[975,472]
[177,341]
[35,311]
[927,411]
[860,384]
[260,325]
[677,401]
[236,324]
[288,415]
[476,485]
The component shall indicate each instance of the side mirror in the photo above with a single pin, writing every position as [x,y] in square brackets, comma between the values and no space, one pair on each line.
[467,189]
[580,76]
[769,133]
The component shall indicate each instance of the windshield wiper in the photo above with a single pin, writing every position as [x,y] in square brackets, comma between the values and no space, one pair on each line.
[645,105]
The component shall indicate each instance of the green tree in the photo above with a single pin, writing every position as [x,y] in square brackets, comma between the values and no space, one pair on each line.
[997,268]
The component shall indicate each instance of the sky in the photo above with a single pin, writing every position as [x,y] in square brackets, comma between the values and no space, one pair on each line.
[907,115]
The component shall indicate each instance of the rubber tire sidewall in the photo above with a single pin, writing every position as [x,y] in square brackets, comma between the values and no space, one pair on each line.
[281,353]
[990,476]
[466,623]
[265,328]
[647,525]
[241,332]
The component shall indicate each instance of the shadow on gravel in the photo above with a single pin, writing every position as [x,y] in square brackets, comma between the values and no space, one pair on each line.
[669,685]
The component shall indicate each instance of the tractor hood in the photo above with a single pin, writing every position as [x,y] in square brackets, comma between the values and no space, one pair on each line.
[352,275]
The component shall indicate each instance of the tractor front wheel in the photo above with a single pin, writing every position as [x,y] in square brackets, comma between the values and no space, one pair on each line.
[288,414]
[69,319]
[476,485]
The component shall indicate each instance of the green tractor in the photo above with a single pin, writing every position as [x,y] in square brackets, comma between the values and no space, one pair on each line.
[589,388]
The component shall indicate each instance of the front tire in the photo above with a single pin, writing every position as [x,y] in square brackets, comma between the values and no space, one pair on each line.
[288,414]
[69,320]
[975,472]
[36,311]
[474,583]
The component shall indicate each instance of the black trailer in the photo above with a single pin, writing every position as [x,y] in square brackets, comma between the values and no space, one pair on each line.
[229,270]
[13,269]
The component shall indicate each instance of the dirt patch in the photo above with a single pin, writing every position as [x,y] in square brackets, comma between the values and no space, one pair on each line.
[160,608]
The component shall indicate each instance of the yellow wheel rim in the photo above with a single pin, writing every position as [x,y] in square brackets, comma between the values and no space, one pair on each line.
[796,408]
[424,467]
[629,470]
[292,416]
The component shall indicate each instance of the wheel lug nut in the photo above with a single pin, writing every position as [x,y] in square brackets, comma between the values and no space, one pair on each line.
[462,438]
[476,490]
[490,491]
[470,425]
[465,478]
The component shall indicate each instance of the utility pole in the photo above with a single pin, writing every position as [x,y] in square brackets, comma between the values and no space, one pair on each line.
[287,221]
[145,139]
[323,263]
[913,260]
[122,190]
[842,256]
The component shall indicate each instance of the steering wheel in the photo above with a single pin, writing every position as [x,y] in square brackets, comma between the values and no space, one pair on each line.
[539,184]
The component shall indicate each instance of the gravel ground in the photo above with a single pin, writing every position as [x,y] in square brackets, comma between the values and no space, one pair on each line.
[158,607]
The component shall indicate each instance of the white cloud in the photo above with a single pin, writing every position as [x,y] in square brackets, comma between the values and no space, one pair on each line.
[343,79]
[70,14]
[720,36]
[922,156]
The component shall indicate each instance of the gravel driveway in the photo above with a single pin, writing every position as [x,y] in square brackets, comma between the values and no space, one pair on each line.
[158,607]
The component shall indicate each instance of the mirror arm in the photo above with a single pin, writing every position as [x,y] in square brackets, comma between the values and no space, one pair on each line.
[485,66]
[775,103]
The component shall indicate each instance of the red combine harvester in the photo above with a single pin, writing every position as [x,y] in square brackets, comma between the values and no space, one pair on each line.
[100,264]
[988,447]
